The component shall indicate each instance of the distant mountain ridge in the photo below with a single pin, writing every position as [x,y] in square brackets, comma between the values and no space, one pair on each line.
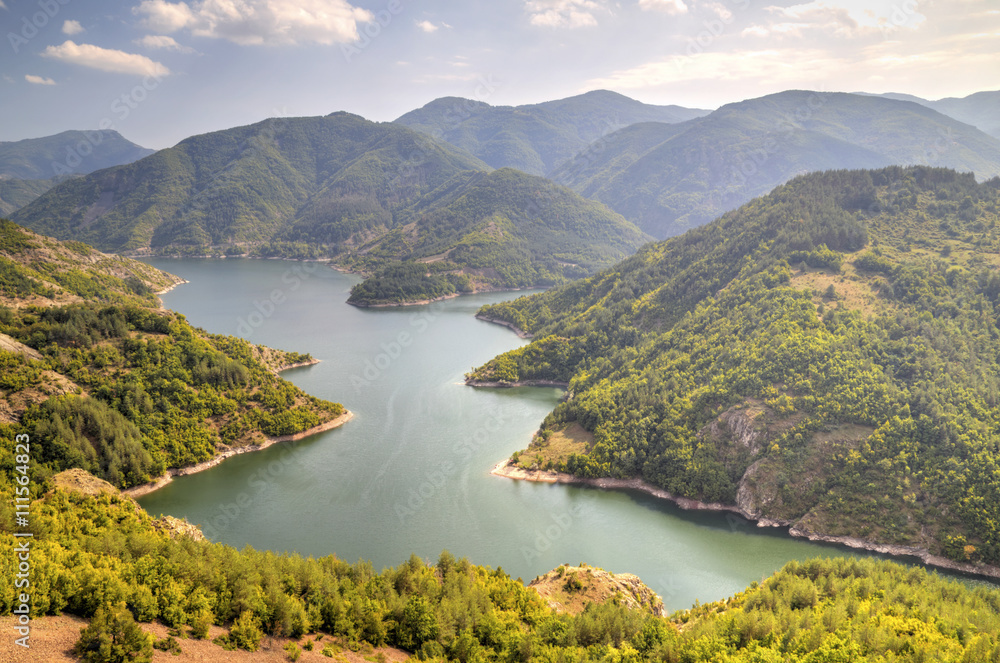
[667,178]
[981,109]
[364,193]
[67,153]
[536,138]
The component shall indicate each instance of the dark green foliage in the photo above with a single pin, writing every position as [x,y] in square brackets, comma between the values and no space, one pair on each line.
[867,402]
[87,433]
[499,230]
[113,637]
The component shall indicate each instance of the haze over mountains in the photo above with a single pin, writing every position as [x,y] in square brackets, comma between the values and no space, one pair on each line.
[536,138]
[30,167]
[374,194]
[981,110]
[368,193]
[669,178]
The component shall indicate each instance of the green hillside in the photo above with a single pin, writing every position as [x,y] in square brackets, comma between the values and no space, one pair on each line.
[15,193]
[364,194]
[67,153]
[825,356]
[535,138]
[341,174]
[498,230]
[669,178]
[100,557]
[103,379]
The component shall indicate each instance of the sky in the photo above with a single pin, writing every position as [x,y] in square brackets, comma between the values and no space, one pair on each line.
[159,71]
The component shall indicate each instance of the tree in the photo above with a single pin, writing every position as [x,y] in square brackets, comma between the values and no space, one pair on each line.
[113,636]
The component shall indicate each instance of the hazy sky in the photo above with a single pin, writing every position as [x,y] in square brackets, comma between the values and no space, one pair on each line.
[159,71]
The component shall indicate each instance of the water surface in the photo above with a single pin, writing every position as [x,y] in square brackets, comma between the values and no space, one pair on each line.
[410,473]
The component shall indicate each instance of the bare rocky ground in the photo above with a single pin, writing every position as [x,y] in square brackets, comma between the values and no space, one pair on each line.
[52,639]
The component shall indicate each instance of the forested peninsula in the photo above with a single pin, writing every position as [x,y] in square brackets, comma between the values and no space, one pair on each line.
[825,357]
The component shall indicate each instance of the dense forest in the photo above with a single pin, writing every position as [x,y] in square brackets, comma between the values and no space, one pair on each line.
[102,558]
[825,356]
[499,230]
[103,379]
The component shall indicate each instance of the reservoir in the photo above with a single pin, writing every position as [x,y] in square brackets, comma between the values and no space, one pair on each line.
[410,473]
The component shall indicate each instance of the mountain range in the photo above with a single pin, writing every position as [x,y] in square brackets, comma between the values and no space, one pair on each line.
[536,138]
[30,167]
[366,193]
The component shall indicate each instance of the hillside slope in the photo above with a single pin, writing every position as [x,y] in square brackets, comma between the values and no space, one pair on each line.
[535,138]
[669,178]
[101,378]
[491,231]
[67,153]
[825,357]
[367,195]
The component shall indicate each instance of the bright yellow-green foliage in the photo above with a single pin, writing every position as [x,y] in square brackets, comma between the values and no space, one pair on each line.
[664,351]
[161,393]
[95,553]
[126,390]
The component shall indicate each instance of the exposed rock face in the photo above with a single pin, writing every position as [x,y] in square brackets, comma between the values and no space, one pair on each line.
[176,528]
[743,426]
[571,588]
[83,482]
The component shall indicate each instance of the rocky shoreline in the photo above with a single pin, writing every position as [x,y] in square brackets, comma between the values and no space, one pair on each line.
[520,383]
[503,323]
[160,482]
[419,302]
[508,470]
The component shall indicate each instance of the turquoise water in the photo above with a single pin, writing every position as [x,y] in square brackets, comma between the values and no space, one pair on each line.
[410,473]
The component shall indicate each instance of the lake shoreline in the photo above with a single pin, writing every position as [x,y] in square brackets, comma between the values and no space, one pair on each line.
[161,481]
[520,383]
[508,470]
[503,323]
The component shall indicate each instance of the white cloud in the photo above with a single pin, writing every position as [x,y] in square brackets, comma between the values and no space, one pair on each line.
[668,6]
[850,18]
[256,22]
[563,13]
[105,59]
[791,67]
[427,26]
[72,28]
[163,42]
[38,80]
[2,5]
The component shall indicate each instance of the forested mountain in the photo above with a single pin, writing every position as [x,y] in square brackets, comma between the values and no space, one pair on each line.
[67,153]
[536,138]
[669,178]
[498,230]
[366,194]
[825,356]
[981,110]
[340,173]
[30,167]
[101,378]
[15,193]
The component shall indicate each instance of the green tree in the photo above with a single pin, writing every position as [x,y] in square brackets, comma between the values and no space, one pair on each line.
[113,636]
